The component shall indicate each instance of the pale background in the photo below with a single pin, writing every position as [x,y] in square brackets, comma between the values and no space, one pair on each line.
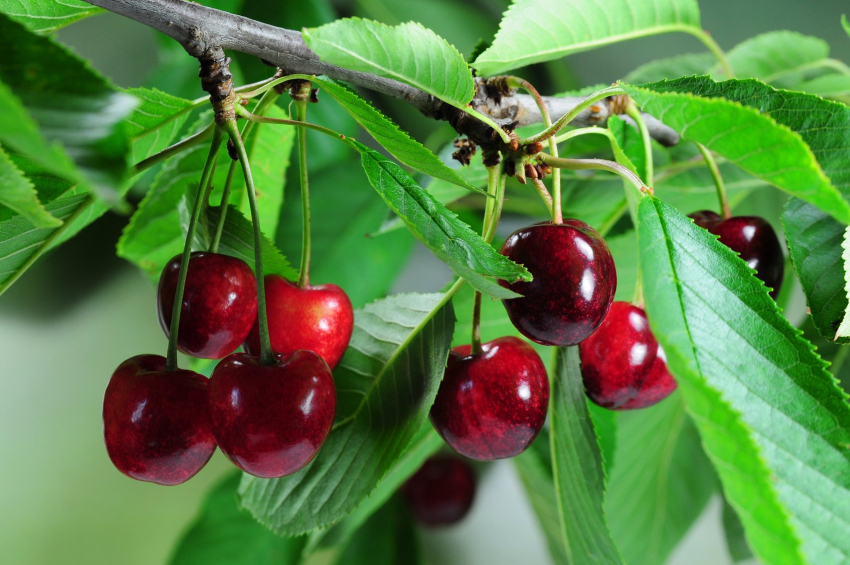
[67,324]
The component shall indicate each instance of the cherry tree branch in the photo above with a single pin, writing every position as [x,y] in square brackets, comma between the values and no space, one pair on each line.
[199,28]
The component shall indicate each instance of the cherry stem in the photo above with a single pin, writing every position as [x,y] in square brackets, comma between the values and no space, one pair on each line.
[571,115]
[265,102]
[266,354]
[242,112]
[172,150]
[206,177]
[304,271]
[597,164]
[634,113]
[555,209]
[492,207]
[544,194]
[718,180]
[476,323]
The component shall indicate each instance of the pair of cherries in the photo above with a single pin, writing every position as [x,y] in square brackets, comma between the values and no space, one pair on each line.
[269,420]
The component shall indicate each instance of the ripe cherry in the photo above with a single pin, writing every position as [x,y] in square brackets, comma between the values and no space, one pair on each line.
[492,404]
[574,282]
[622,365]
[440,493]
[753,239]
[156,423]
[271,420]
[316,318]
[219,304]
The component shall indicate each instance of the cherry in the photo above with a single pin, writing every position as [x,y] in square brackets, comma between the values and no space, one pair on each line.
[492,404]
[219,304]
[622,365]
[156,423]
[271,420]
[316,318]
[440,493]
[754,240]
[574,281]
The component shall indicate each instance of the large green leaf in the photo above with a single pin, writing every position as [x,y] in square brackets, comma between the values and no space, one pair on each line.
[792,140]
[577,467]
[814,240]
[671,67]
[389,537]
[408,52]
[533,31]
[736,541]
[843,331]
[771,417]
[385,384]
[660,484]
[777,56]
[155,122]
[18,194]
[44,16]
[224,534]
[72,104]
[439,229]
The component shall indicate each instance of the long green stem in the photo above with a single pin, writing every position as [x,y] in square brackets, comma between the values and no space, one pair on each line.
[206,175]
[265,102]
[584,131]
[304,271]
[712,46]
[544,194]
[634,113]
[172,150]
[718,180]
[494,179]
[571,115]
[266,120]
[597,164]
[266,354]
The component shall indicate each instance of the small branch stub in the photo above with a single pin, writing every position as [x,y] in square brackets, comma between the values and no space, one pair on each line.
[217,80]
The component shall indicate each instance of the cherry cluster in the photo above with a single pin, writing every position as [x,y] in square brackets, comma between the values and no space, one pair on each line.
[270,420]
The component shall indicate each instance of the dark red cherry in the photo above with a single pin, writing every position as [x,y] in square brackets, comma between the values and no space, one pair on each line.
[574,282]
[441,491]
[756,242]
[315,318]
[492,405]
[620,365]
[705,218]
[156,424]
[271,420]
[219,304]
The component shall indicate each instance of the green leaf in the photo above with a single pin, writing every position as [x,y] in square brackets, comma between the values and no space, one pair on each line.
[843,331]
[408,52]
[21,243]
[845,24]
[836,86]
[691,188]
[155,122]
[341,251]
[72,104]
[577,467]
[672,67]
[224,534]
[399,144]
[392,532]
[750,124]
[661,483]
[771,417]
[385,384]
[533,31]
[452,241]
[814,241]
[44,16]
[18,194]
[628,150]
[736,542]
[777,56]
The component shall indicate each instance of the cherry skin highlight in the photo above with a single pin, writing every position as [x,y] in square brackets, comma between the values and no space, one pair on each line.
[754,240]
[492,405]
[440,493]
[621,363]
[574,281]
[156,423]
[316,318]
[271,420]
[219,304]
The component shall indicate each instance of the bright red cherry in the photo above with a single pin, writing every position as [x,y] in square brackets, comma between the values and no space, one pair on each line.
[156,423]
[491,405]
[754,240]
[574,281]
[271,420]
[316,318]
[441,491]
[621,363]
[219,304]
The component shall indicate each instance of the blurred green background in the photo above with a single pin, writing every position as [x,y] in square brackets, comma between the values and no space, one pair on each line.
[68,322]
